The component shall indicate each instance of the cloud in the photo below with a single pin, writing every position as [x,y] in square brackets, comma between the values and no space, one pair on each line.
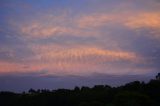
[95,20]
[49,25]
[94,24]
[135,21]
[80,53]
[9,67]
[149,21]
[82,59]
[103,39]
[6,53]
[74,60]
[39,31]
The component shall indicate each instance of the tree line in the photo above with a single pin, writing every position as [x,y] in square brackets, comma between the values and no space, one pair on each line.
[135,93]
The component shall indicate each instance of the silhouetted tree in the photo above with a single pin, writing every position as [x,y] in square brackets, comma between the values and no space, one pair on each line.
[132,94]
[158,76]
[84,88]
[77,89]
[132,99]
[32,91]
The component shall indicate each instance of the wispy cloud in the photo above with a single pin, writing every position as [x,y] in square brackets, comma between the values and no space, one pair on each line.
[38,31]
[148,21]
[60,60]
[83,54]
[102,37]
[94,20]
[50,26]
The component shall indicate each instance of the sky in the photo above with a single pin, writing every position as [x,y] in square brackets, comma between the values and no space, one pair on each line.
[56,41]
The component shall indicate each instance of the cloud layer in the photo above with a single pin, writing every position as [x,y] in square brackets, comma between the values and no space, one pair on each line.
[110,37]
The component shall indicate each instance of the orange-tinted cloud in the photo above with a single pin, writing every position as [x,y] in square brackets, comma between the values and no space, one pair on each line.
[9,67]
[38,31]
[134,20]
[88,57]
[83,60]
[90,24]
[50,26]
[150,20]
[95,20]
[81,52]
[79,60]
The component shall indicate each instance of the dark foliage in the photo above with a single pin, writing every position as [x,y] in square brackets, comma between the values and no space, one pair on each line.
[132,94]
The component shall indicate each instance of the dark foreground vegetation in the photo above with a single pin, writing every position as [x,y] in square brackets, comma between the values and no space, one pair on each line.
[132,94]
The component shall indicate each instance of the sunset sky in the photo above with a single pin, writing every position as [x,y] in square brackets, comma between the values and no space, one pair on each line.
[42,39]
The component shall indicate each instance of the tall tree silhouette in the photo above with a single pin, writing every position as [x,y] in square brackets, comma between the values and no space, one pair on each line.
[158,76]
